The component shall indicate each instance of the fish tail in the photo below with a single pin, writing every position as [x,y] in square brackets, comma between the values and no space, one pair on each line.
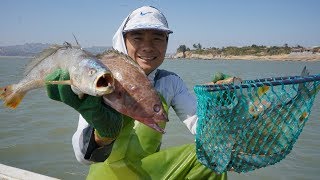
[10,98]
[304,72]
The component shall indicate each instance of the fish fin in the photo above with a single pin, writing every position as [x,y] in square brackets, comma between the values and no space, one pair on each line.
[67,44]
[10,98]
[75,38]
[304,72]
[77,91]
[41,56]
[67,82]
[263,90]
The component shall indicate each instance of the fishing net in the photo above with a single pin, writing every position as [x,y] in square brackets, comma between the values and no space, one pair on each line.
[254,124]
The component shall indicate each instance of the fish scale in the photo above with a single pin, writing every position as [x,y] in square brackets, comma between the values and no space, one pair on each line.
[138,98]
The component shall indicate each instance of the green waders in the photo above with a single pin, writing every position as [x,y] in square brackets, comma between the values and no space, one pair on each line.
[135,156]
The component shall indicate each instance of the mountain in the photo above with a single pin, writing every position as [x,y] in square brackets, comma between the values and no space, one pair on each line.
[31,49]
[28,49]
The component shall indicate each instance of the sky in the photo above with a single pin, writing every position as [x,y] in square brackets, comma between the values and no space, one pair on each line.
[212,23]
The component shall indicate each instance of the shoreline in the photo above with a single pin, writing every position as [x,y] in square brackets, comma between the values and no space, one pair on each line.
[284,57]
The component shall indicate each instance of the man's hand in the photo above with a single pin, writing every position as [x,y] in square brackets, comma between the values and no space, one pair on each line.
[106,121]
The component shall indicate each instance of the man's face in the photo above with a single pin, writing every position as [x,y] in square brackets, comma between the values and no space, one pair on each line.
[147,48]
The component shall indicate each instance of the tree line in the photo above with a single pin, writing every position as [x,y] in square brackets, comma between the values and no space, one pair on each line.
[247,50]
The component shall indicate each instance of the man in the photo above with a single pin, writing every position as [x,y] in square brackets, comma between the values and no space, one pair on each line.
[127,149]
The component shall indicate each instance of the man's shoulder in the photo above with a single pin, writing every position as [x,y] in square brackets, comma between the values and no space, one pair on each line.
[167,79]
[161,73]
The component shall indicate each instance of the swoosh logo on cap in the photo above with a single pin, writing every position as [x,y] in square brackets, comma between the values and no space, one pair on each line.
[142,14]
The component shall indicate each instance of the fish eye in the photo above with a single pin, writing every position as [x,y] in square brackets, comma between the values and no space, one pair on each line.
[156,108]
[92,71]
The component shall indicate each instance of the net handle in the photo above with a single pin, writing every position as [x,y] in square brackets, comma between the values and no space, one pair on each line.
[261,82]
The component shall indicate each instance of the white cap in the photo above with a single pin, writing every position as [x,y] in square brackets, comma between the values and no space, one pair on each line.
[146,17]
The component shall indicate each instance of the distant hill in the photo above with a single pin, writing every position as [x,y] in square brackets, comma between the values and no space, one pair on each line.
[28,49]
[97,49]
[31,49]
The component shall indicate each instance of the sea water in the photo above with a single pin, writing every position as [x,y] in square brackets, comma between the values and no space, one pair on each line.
[37,135]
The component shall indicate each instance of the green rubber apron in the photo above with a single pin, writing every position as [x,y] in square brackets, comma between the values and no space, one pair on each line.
[135,155]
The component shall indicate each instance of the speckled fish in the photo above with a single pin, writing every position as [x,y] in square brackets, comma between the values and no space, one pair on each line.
[134,95]
[87,74]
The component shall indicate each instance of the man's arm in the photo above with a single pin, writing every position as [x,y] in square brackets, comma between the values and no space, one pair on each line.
[85,147]
[89,145]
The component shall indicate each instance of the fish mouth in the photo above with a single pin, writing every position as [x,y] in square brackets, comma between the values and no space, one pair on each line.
[154,122]
[104,83]
[157,128]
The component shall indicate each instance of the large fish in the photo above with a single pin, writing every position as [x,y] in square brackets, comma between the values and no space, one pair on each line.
[87,74]
[134,95]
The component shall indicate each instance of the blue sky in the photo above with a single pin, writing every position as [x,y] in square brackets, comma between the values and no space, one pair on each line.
[211,23]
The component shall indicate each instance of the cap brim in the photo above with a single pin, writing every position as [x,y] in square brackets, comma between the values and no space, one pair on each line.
[147,28]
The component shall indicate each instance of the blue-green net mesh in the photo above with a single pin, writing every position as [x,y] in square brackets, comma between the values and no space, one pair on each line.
[254,124]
